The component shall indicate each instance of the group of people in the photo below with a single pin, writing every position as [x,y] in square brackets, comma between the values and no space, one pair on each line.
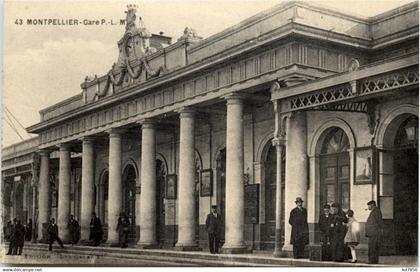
[74,231]
[16,234]
[340,232]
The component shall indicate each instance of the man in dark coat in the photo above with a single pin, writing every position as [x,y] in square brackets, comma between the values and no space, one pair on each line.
[338,232]
[123,230]
[12,238]
[213,227]
[300,230]
[74,230]
[20,237]
[324,223]
[28,234]
[53,234]
[95,230]
[373,231]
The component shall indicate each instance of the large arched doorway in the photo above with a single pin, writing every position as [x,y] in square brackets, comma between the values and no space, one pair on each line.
[18,199]
[160,204]
[335,168]
[269,228]
[129,198]
[198,168]
[221,186]
[405,187]
[103,198]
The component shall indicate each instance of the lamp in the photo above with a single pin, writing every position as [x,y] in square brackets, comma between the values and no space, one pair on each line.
[411,130]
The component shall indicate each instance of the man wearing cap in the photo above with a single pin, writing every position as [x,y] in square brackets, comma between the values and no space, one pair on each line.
[300,230]
[213,226]
[373,231]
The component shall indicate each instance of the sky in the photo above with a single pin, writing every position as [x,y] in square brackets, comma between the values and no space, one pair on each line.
[43,65]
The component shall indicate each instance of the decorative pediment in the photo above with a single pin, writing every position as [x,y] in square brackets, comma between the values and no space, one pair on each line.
[134,47]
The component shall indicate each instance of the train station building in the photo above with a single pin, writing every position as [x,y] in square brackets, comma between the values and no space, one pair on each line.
[296,101]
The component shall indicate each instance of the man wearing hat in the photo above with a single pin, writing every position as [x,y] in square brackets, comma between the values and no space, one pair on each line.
[213,226]
[324,222]
[300,230]
[373,231]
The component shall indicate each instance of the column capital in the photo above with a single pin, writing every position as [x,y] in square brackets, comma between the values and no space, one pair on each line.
[64,147]
[234,98]
[88,139]
[44,152]
[186,112]
[146,123]
[115,132]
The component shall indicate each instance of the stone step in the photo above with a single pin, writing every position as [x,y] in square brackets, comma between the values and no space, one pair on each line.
[193,258]
[89,255]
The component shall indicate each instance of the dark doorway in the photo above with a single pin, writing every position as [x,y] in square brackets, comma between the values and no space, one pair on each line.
[406,188]
[269,228]
[197,195]
[19,209]
[221,187]
[160,206]
[129,199]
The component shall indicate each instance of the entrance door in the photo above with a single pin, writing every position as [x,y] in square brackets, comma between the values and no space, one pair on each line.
[221,189]
[129,201]
[406,188]
[160,206]
[335,169]
[269,229]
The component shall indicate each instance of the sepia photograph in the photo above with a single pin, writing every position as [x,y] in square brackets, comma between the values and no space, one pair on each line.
[195,133]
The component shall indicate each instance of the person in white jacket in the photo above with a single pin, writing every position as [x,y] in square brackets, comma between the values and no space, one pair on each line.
[352,237]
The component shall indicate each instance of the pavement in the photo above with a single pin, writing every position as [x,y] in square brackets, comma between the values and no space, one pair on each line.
[38,255]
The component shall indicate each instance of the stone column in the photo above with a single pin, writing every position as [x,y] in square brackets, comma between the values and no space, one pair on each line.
[186,183]
[88,195]
[235,193]
[114,184]
[296,168]
[64,193]
[148,186]
[279,144]
[44,191]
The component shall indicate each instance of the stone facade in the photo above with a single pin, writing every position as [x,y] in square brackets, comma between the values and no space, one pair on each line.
[294,101]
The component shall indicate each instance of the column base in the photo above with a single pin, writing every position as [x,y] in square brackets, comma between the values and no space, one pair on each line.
[287,251]
[280,253]
[148,246]
[236,250]
[187,248]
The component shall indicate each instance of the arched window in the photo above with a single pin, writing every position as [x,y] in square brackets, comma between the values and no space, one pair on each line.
[336,141]
[335,168]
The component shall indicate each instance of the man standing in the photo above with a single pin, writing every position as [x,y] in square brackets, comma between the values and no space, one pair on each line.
[338,232]
[300,230]
[53,234]
[213,225]
[95,230]
[74,230]
[20,237]
[28,234]
[324,223]
[374,231]
[12,238]
[123,230]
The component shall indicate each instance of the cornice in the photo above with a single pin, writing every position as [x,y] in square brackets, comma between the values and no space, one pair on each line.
[292,29]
